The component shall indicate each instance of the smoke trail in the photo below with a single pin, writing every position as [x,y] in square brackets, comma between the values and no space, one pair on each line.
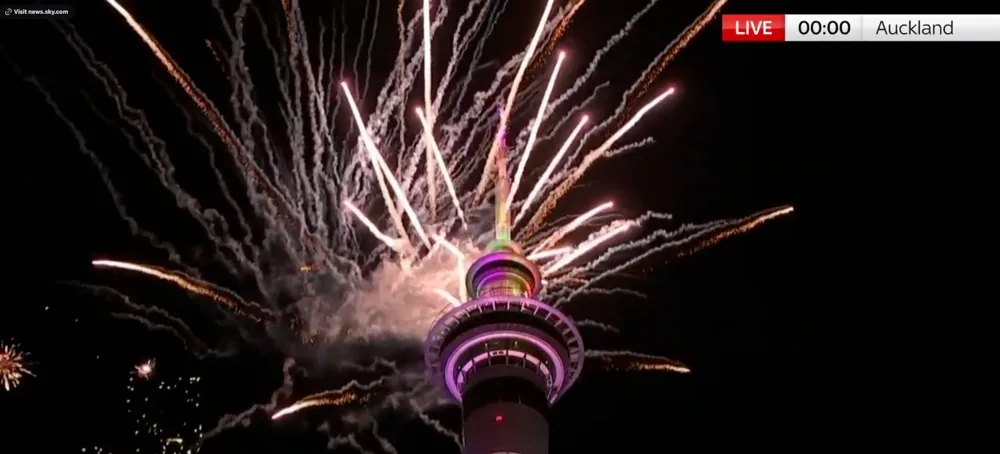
[594,324]
[243,418]
[116,196]
[687,235]
[143,314]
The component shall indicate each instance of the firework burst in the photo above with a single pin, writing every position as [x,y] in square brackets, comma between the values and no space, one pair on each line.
[13,366]
[368,230]
[145,369]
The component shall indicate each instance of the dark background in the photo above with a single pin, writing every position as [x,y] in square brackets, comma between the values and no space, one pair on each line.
[813,332]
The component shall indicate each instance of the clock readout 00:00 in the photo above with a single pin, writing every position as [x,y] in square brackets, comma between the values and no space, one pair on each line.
[791,27]
[845,28]
[825,27]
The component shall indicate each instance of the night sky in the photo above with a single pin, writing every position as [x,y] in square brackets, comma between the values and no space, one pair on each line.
[814,331]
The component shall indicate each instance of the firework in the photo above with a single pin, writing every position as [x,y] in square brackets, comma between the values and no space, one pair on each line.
[13,367]
[320,400]
[382,173]
[632,361]
[368,230]
[164,411]
[193,285]
[145,369]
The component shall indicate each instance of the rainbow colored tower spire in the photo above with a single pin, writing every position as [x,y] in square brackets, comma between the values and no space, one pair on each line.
[501,191]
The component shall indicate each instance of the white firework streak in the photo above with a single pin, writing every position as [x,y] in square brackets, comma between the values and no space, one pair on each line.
[335,230]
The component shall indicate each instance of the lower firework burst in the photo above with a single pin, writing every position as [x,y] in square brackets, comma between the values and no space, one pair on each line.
[13,367]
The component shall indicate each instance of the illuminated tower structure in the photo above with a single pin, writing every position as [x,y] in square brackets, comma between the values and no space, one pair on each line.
[503,355]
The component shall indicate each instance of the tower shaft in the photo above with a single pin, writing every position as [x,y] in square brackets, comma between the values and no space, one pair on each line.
[505,415]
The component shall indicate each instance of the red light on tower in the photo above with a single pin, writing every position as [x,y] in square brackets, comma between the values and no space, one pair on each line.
[499,418]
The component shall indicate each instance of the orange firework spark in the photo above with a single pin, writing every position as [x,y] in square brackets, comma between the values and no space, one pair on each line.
[671,52]
[750,224]
[182,280]
[660,367]
[321,400]
[204,105]
[12,366]
[539,60]
[207,108]
[215,55]
[632,361]
[287,10]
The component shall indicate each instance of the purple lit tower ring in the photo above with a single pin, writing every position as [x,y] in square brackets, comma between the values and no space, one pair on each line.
[559,366]
[505,356]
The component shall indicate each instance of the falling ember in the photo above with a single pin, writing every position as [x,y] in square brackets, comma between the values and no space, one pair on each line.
[146,369]
[188,283]
[319,401]
[631,361]
[204,104]
[557,33]
[168,62]
[661,367]
[749,224]
[13,367]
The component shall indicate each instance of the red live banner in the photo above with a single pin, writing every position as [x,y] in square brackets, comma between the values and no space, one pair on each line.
[753,27]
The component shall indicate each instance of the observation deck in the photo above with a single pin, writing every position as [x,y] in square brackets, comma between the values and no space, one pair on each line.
[503,332]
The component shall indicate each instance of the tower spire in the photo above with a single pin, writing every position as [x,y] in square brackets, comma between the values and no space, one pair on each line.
[501,189]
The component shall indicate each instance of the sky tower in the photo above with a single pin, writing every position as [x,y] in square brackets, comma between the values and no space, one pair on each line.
[503,355]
